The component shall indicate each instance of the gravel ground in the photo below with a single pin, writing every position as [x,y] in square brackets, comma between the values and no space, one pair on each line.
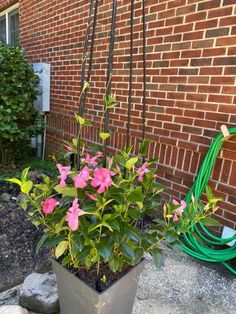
[185,286]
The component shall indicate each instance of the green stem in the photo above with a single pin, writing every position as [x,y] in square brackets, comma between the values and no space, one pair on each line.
[70,248]
[98,241]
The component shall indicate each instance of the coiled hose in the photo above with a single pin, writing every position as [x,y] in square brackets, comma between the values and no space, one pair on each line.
[191,245]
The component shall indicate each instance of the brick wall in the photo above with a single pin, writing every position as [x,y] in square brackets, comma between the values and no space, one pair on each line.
[191,67]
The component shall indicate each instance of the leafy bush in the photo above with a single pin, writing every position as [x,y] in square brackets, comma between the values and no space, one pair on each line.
[18,119]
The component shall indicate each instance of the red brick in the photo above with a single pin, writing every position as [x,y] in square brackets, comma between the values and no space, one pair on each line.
[220,98]
[226,41]
[186,9]
[230,70]
[176,3]
[220,12]
[183,28]
[229,20]
[208,5]
[232,178]
[184,71]
[227,80]
[193,36]
[214,52]
[195,17]
[206,24]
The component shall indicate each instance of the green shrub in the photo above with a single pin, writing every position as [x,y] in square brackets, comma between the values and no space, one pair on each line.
[18,119]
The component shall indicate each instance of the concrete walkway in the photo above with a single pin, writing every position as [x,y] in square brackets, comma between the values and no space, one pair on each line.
[183,286]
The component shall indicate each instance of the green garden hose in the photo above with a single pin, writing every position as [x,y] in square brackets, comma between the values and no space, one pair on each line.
[191,245]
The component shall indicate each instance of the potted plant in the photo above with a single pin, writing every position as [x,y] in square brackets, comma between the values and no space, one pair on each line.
[92,218]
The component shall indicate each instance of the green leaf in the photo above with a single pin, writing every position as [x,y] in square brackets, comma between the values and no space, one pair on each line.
[24,175]
[61,248]
[143,151]
[80,119]
[23,203]
[97,225]
[127,250]
[26,187]
[171,236]
[82,255]
[88,123]
[138,255]
[41,242]
[114,264]
[105,249]
[210,222]
[14,180]
[134,213]
[42,187]
[136,195]
[157,257]
[133,233]
[140,205]
[177,246]
[75,142]
[66,191]
[131,162]
[46,179]
[209,192]
[115,225]
[66,260]
[58,189]
[148,241]
[69,191]
[93,148]
[94,226]
[85,86]
[59,225]
[104,136]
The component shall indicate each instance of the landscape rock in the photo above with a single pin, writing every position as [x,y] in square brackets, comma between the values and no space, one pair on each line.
[5,197]
[9,297]
[39,293]
[12,309]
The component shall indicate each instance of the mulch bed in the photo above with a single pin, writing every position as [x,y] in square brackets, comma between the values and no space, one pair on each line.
[18,240]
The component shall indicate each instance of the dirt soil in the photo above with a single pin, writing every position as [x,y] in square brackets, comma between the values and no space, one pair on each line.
[18,239]
[90,277]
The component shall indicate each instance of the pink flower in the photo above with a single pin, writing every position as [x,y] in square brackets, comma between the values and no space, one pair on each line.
[175,217]
[70,149]
[179,211]
[91,196]
[64,172]
[82,178]
[91,160]
[73,214]
[48,205]
[141,171]
[99,154]
[102,179]
[110,162]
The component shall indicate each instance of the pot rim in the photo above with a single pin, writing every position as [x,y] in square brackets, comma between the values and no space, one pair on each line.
[87,285]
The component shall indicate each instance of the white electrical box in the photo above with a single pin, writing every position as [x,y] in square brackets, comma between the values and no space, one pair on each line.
[42,103]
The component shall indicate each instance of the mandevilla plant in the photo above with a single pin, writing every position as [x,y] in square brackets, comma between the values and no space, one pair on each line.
[92,217]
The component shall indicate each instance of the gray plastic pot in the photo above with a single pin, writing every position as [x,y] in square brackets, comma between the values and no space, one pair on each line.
[76,297]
